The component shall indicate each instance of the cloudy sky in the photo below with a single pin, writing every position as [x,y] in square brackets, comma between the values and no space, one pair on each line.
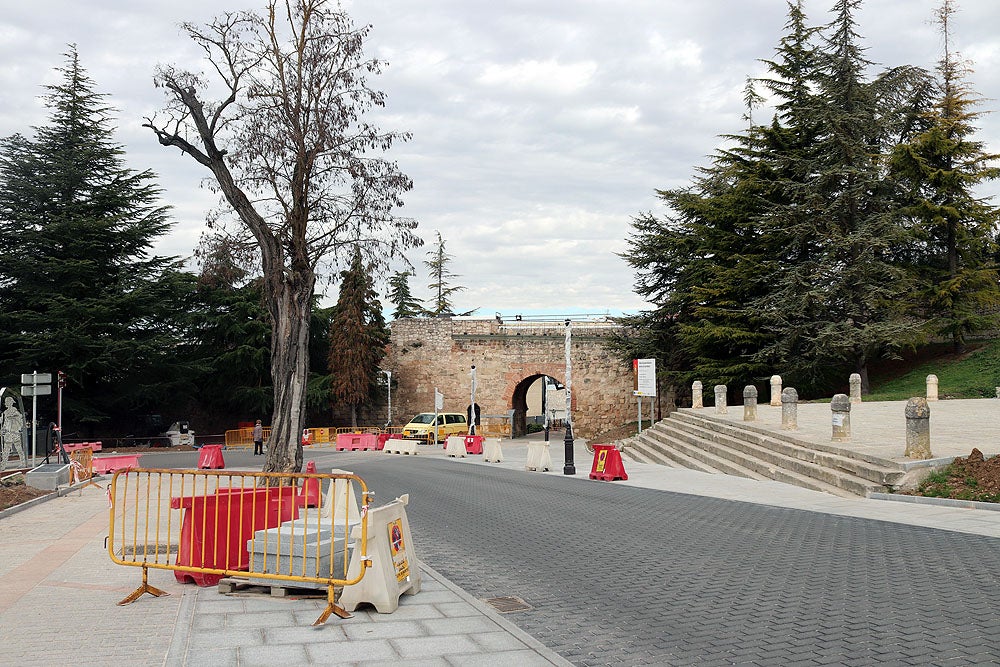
[540,128]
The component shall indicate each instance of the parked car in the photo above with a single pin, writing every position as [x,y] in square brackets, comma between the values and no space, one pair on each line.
[421,427]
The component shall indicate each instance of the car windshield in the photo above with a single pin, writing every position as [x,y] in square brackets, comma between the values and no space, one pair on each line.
[423,418]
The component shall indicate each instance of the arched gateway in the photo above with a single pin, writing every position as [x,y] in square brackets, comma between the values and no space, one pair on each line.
[511,359]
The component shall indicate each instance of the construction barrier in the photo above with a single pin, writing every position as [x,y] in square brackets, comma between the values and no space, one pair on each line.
[538,457]
[105,464]
[243,437]
[455,446]
[71,447]
[400,446]
[357,442]
[395,570]
[219,524]
[474,444]
[81,465]
[607,464]
[210,457]
[491,450]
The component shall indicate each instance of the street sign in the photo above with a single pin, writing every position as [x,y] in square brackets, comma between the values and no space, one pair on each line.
[36,378]
[645,377]
[36,390]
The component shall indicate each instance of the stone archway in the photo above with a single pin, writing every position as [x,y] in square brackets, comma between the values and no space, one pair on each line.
[519,403]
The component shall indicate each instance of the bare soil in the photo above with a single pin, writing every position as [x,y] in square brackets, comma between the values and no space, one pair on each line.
[972,477]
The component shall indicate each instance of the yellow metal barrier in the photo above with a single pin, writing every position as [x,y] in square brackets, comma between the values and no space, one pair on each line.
[243,437]
[220,524]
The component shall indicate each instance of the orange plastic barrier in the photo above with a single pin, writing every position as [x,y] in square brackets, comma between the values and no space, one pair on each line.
[607,464]
[215,528]
[310,496]
[210,457]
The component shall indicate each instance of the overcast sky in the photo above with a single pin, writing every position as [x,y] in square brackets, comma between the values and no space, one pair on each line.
[540,128]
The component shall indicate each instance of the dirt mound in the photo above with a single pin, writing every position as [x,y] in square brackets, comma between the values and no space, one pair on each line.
[973,477]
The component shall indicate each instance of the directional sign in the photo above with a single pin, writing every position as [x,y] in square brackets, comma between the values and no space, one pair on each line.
[36,390]
[36,378]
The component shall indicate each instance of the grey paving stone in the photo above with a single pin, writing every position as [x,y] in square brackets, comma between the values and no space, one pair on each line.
[384,630]
[328,653]
[268,656]
[422,647]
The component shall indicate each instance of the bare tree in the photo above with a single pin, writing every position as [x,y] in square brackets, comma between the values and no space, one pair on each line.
[289,149]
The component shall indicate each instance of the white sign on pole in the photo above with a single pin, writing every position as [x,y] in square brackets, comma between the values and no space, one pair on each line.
[438,400]
[36,378]
[645,377]
[39,390]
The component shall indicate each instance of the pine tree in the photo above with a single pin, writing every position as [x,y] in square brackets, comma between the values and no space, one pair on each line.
[79,290]
[441,277]
[941,167]
[406,305]
[358,337]
[840,293]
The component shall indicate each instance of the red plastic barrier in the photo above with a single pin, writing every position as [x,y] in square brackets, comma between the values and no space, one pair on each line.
[73,446]
[215,528]
[107,464]
[309,497]
[357,441]
[211,457]
[474,444]
[382,439]
[607,464]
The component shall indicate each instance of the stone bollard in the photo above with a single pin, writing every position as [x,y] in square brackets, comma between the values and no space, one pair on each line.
[696,402]
[855,388]
[918,429]
[750,403]
[789,409]
[776,390]
[721,408]
[932,387]
[841,408]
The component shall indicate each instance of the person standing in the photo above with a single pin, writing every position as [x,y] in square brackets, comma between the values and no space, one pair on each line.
[258,438]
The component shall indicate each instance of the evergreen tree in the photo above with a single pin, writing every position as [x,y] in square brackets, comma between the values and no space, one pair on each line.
[840,295]
[358,337]
[941,167]
[406,305]
[79,290]
[441,276]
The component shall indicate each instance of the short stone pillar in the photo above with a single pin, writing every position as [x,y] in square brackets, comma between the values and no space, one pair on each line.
[749,403]
[696,401]
[789,409]
[776,390]
[855,388]
[918,429]
[840,406]
[721,407]
[932,387]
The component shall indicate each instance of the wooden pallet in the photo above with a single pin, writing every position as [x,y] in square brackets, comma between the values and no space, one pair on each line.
[238,586]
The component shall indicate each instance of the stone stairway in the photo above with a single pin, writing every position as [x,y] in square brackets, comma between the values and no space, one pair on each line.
[697,440]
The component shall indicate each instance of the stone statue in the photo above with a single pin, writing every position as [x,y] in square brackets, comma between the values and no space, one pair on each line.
[11,432]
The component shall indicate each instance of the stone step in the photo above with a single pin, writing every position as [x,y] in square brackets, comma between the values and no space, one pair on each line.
[771,464]
[706,459]
[882,472]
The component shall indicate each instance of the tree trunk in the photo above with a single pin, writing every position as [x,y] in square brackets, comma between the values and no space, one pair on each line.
[289,304]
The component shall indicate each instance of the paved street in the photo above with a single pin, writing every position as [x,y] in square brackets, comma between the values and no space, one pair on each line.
[624,575]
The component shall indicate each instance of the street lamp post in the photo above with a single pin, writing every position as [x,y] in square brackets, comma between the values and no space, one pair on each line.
[388,393]
[569,468]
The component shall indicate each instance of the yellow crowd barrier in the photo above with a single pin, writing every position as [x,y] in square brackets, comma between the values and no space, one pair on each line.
[243,437]
[209,524]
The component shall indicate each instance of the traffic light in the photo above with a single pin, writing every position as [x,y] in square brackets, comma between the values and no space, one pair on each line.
[62,379]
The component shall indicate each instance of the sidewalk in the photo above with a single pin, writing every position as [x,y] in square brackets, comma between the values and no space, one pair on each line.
[59,589]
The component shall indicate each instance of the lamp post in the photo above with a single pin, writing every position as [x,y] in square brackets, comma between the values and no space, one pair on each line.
[569,468]
[388,393]
[472,401]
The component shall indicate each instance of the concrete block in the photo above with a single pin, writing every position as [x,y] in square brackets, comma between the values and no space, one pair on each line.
[48,476]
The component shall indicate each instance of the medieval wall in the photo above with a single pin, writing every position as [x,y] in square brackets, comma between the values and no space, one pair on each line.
[439,352]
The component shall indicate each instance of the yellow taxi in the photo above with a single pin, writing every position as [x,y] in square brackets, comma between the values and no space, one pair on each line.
[421,427]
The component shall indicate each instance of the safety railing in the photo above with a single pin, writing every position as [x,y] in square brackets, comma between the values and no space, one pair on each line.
[243,437]
[270,527]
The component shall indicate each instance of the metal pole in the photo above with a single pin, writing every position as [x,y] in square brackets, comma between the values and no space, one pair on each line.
[545,407]
[569,468]
[472,404]
[388,392]
[639,400]
[34,411]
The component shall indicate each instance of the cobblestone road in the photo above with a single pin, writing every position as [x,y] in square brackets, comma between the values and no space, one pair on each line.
[627,576]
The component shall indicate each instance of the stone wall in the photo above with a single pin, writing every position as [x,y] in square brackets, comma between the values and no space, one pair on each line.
[439,352]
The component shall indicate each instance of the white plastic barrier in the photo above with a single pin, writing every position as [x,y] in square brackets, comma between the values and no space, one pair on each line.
[398,446]
[491,450]
[395,569]
[538,457]
[341,489]
[455,446]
